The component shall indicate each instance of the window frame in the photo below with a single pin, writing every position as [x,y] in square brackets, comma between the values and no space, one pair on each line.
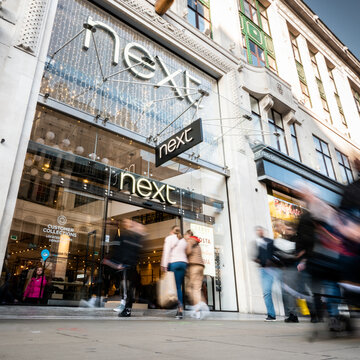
[199,15]
[245,7]
[342,165]
[278,129]
[303,85]
[294,141]
[356,96]
[324,156]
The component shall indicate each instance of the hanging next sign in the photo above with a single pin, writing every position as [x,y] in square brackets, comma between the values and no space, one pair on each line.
[183,140]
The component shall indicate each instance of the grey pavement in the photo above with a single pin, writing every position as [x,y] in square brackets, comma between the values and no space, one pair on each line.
[162,337]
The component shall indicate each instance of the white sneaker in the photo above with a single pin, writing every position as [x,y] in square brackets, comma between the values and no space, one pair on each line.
[121,307]
[91,303]
[204,310]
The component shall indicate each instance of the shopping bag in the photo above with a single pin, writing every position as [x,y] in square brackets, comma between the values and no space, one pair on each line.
[302,305]
[166,290]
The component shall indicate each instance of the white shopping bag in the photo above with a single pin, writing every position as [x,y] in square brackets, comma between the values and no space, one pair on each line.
[166,290]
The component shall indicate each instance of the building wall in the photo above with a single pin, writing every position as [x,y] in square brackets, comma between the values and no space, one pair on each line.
[22,62]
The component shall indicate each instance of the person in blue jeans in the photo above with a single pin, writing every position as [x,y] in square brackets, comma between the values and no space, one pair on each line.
[174,259]
[268,273]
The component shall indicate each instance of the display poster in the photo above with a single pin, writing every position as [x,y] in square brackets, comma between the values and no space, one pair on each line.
[206,235]
[284,215]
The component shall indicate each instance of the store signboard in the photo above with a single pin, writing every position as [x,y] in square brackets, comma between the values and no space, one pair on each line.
[183,140]
[206,235]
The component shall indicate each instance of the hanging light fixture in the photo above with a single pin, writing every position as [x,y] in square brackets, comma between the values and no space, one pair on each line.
[79,150]
[50,135]
[28,162]
[66,142]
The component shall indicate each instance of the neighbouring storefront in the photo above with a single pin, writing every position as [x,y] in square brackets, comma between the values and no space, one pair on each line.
[104,97]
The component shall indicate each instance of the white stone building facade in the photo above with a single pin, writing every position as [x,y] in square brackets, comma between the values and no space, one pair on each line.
[279,83]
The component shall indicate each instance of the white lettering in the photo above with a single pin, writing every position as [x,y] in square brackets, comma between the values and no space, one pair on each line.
[129,57]
[164,146]
[171,145]
[169,79]
[114,35]
[146,186]
[158,191]
[180,141]
[186,138]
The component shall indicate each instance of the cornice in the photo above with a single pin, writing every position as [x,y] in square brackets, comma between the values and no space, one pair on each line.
[323,32]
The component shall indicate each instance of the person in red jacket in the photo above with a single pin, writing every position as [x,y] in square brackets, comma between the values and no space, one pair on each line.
[35,288]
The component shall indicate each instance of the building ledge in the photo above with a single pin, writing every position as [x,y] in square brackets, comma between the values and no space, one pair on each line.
[274,166]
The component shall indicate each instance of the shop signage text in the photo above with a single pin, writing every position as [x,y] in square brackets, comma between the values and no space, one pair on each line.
[178,143]
[144,66]
[146,188]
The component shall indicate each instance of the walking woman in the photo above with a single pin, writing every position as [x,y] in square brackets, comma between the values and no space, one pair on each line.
[174,259]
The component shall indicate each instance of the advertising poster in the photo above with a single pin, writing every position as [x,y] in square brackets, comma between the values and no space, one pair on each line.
[206,235]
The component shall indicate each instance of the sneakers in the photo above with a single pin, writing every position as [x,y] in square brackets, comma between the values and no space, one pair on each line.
[91,303]
[179,315]
[270,318]
[125,313]
[121,307]
[292,319]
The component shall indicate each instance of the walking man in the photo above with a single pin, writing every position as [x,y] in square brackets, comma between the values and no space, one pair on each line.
[264,257]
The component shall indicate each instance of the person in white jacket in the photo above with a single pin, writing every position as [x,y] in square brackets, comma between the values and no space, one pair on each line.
[174,259]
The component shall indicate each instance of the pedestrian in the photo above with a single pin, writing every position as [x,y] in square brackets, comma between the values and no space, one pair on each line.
[35,288]
[268,270]
[124,258]
[285,251]
[174,259]
[195,275]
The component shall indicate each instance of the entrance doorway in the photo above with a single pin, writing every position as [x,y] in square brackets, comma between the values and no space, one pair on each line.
[157,226]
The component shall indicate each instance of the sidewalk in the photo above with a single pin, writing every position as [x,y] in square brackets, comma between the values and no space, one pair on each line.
[169,339]
[21,312]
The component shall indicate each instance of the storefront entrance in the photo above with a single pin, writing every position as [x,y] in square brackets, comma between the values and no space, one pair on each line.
[77,242]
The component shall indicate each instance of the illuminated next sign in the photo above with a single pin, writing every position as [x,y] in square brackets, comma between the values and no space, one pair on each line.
[146,188]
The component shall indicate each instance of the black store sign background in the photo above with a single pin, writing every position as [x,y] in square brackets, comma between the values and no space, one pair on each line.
[183,140]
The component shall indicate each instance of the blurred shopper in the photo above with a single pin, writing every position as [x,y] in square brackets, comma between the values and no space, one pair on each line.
[174,259]
[285,251]
[35,289]
[268,271]
[195,275]
[335,254]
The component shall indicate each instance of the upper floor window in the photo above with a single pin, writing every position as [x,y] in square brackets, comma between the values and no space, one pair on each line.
[294,141]
[256,119]
[357,99]
[337,97]
[199,15]
[257,43]
[250,10]
[257,54]
[295,47]
[277,131]
[305,98]
[324,158]
[320,87]
[345,169]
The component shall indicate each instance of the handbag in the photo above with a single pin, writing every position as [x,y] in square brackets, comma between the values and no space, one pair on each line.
[166,290]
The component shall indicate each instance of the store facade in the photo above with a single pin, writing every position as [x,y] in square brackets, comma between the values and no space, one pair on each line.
[107,92]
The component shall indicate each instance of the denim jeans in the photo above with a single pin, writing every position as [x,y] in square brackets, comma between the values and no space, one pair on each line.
[178,268]
[268,275]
